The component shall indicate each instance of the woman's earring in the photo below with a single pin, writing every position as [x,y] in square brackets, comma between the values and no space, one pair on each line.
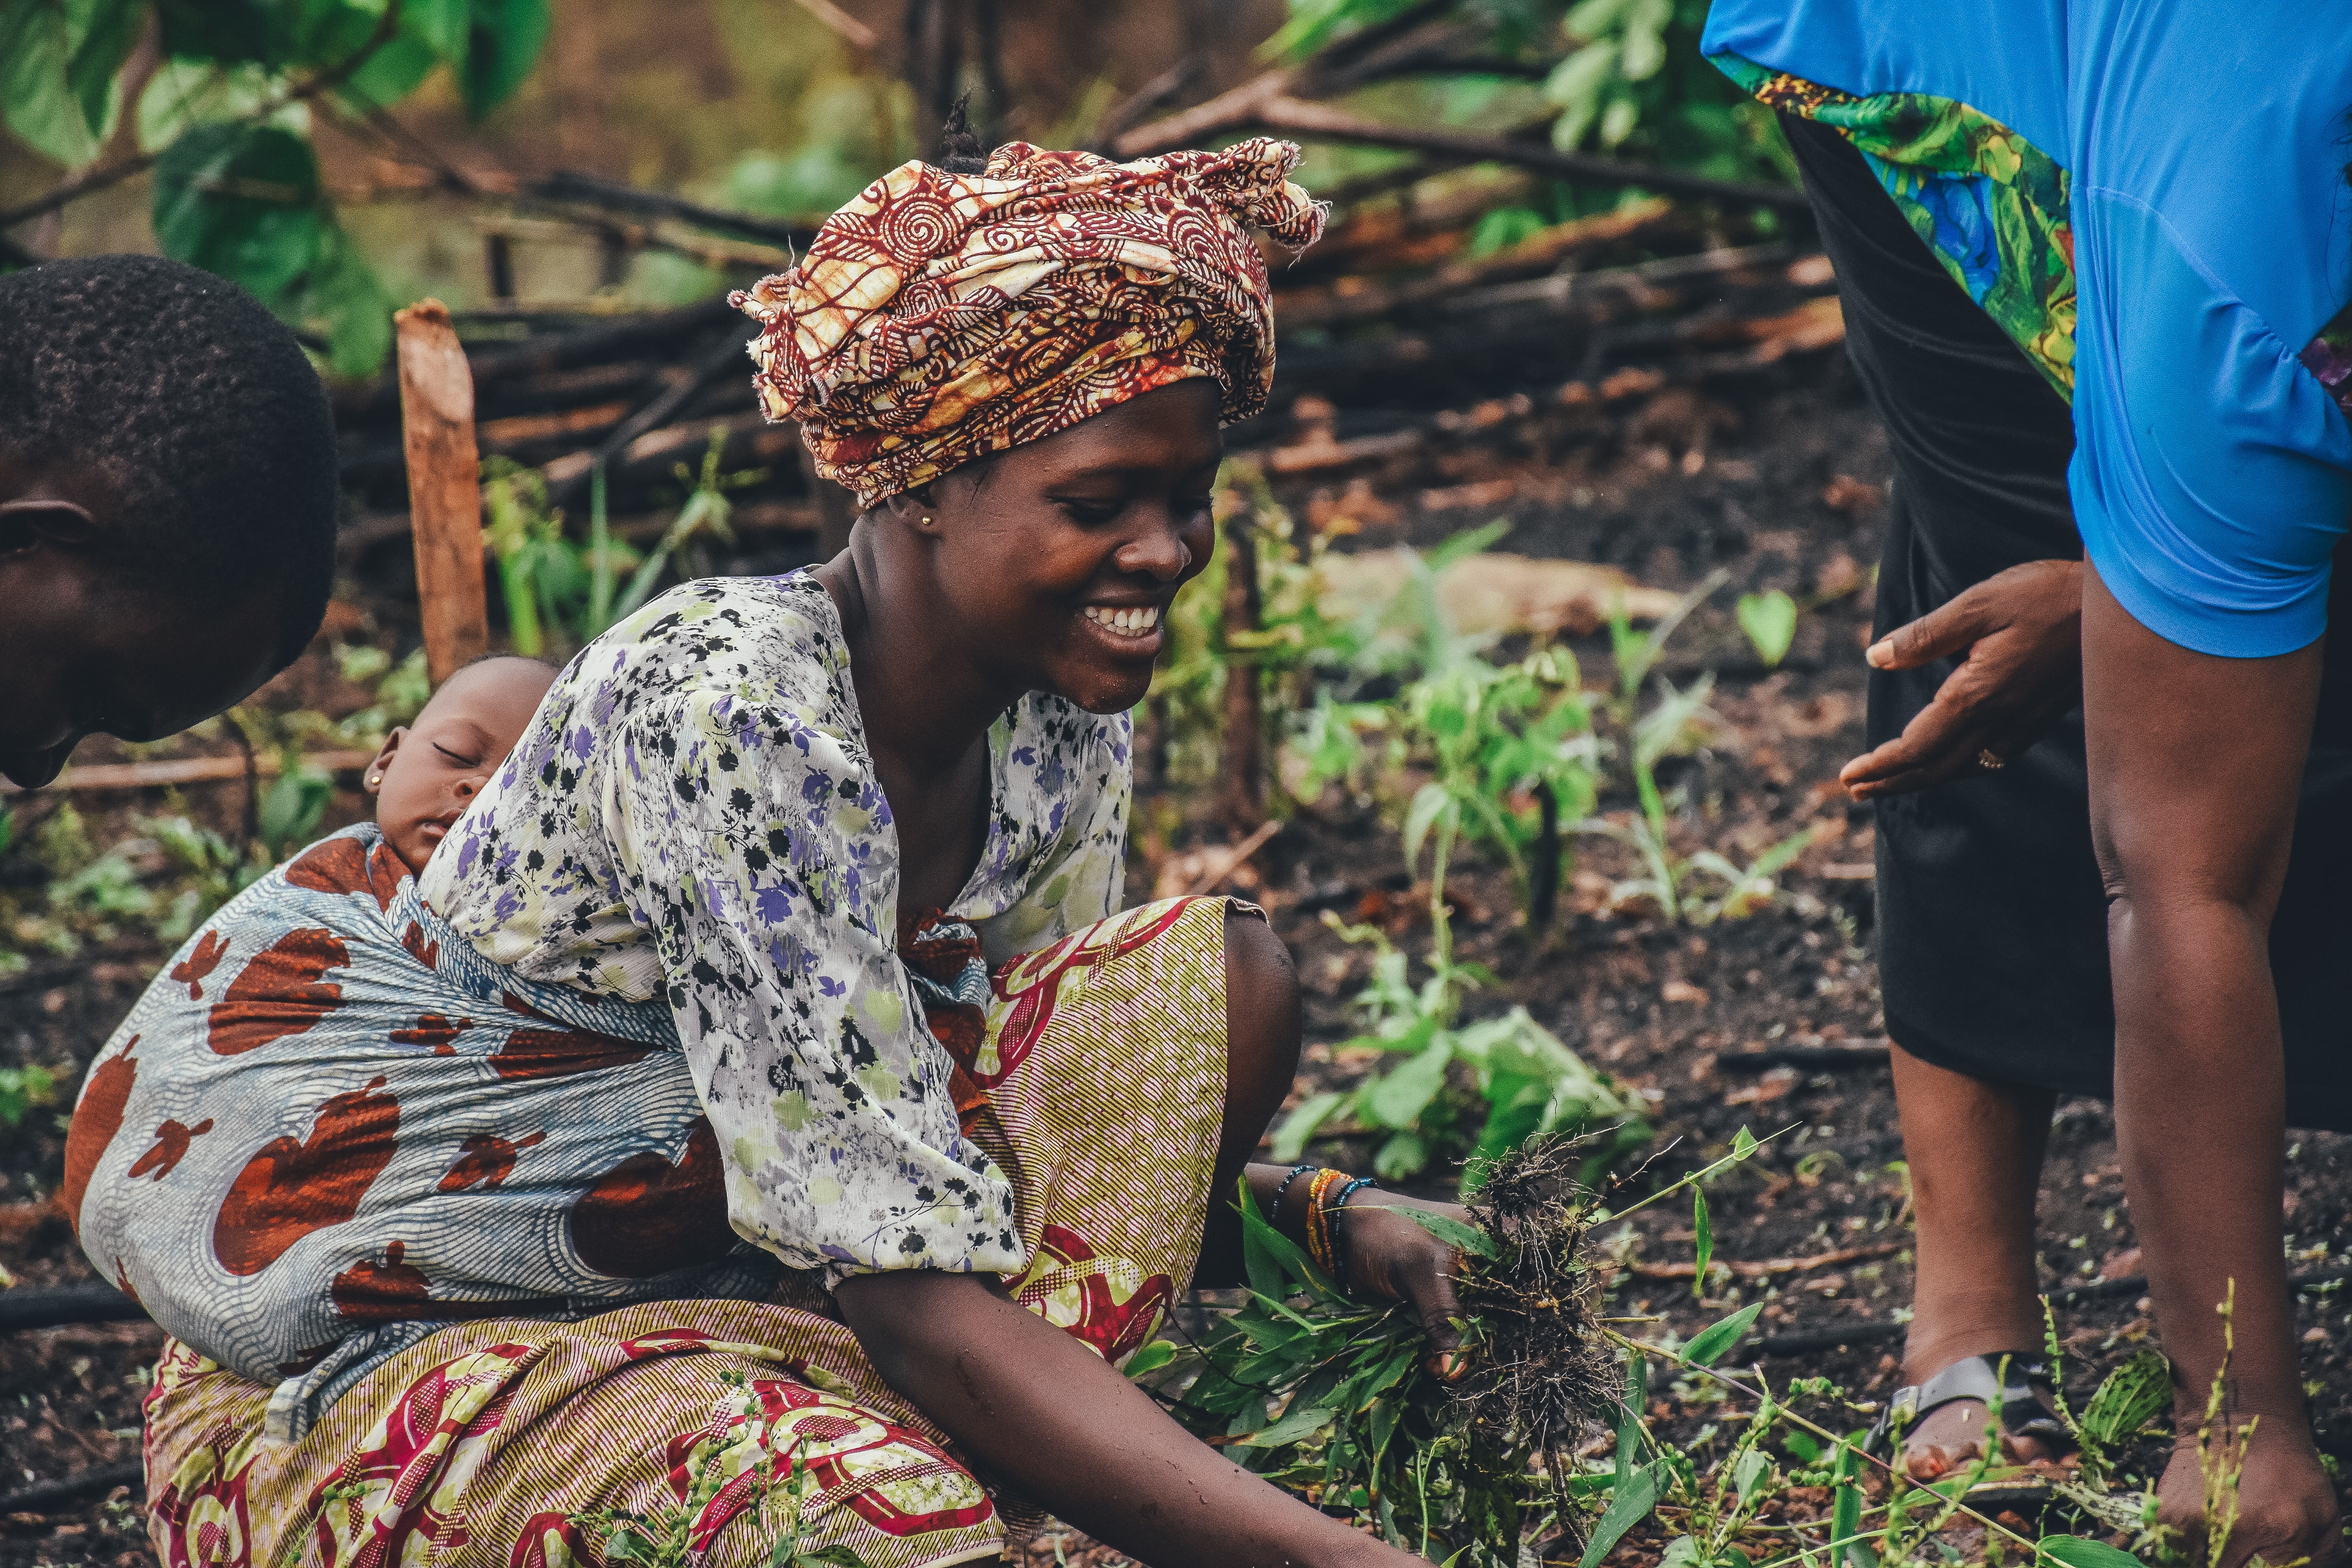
[926,522]
[374,780]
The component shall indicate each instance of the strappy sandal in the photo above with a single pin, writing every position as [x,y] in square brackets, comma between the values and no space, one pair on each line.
[2028,1410]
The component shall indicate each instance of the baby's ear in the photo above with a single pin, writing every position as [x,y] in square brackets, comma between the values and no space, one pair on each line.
[374,780]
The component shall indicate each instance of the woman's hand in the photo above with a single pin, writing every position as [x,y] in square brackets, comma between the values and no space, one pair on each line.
[1388,1255]
[2019,633]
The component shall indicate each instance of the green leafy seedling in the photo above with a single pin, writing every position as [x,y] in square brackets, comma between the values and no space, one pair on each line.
[1769,619]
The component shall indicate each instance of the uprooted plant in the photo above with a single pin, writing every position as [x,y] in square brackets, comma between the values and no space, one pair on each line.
[1544,1445]
[1364,1429]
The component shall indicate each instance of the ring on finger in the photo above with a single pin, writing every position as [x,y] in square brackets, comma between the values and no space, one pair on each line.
[1990,761]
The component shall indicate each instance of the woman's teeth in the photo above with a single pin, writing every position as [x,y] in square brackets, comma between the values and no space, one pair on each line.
[1139,623]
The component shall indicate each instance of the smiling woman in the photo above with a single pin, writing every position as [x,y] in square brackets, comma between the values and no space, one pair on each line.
[899,1132]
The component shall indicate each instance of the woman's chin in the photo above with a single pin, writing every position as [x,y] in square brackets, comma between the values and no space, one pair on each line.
[1099,690]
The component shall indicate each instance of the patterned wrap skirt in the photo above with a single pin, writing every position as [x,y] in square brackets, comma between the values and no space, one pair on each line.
[1097,1084]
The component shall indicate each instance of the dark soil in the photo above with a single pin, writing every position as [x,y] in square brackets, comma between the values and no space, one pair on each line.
[1781,483]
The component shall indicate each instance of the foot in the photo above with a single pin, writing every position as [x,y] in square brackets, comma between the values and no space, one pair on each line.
[2286,1507]
[1943,1419]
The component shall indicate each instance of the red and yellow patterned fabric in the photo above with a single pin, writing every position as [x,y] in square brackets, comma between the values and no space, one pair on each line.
[940,318]
[1100,1077]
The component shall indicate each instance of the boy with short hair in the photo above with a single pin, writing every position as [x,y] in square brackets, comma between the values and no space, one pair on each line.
[168,493]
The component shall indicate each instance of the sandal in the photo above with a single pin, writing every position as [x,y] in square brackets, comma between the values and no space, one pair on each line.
[2028,1412]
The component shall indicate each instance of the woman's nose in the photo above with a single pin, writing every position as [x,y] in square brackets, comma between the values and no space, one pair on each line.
[1159,551]
[469,787]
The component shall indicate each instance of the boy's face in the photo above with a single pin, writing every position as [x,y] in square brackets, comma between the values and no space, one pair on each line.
[82,652]
[428,773]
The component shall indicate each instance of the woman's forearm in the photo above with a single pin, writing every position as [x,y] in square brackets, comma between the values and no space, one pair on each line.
[1043,1412]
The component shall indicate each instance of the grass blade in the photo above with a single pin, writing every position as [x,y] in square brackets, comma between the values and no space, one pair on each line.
[1704,1229]
[1627,1509]
[1445,1227]
[1712,1343]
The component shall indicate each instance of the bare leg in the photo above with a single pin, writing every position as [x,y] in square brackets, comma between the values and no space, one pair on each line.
[1975,1151]
[1261,1061]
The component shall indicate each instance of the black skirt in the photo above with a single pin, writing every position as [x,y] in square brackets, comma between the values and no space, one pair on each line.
[1992,920]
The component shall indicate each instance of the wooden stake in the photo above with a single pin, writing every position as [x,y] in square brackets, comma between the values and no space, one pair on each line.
[445,487]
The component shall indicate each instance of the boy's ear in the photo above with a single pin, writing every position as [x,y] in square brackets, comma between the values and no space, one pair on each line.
[30,521]
[373,781]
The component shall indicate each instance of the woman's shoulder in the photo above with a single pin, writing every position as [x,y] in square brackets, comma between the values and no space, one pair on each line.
[719,642]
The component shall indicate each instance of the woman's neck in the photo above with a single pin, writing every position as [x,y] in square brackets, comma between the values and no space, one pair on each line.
[925,702]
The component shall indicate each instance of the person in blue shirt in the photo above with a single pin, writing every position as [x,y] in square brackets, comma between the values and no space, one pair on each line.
[2092,256]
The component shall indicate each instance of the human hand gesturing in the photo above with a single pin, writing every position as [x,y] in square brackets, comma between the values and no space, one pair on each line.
[2019,635]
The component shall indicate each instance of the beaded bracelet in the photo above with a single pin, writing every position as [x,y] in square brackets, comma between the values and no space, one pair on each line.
[1337,1207]
[1274,1209]
[1318,1220]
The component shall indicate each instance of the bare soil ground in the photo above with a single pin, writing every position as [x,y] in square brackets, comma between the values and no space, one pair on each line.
[1783,488]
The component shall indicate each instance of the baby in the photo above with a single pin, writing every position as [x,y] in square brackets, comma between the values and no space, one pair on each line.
[291,1149]
[429,772]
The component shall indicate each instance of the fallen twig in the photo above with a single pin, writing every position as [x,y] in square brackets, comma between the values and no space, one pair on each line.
[1266,101]
[52,1496]
[1765,1268]
[180,770]
[856,34]
[1217,864]
[23,1309]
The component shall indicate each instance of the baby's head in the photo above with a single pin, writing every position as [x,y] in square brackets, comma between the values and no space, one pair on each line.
[429,772]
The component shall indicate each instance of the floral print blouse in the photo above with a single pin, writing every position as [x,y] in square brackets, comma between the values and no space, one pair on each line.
[694,814]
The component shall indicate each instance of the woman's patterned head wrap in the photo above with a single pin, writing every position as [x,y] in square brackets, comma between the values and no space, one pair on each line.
[940,317]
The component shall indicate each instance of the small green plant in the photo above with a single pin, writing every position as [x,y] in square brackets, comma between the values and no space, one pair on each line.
[1479,1089]
[1769,619]
[23,1090]
[1650,735]
[552,585]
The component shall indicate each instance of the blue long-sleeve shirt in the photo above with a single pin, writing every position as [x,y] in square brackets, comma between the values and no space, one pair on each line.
[2205,149]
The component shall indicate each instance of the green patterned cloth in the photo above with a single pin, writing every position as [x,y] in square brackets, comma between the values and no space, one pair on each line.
[1990,204]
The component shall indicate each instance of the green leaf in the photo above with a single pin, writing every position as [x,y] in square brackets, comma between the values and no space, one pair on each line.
[1398,1100]
[1290,1138]
[290,810]
[441,25]
[1470,541]
[1293,1426]
[1271,1259]
[1743,1143]
[343,295]
[1431,803]
[1629,1415]
[1845,1505]
[92,74]
[832,1556]
[1705,1228]
[36,47]
[1769,619]
[1801,1447]
[2129,1399]
[391,72]
[184,93]
[1750,1473]
[1151,1357]
[2080,1552]
[1632,1502]
[241,201]
[1405,1155]
[505,43]
[1444,1227]
[1712,1343]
